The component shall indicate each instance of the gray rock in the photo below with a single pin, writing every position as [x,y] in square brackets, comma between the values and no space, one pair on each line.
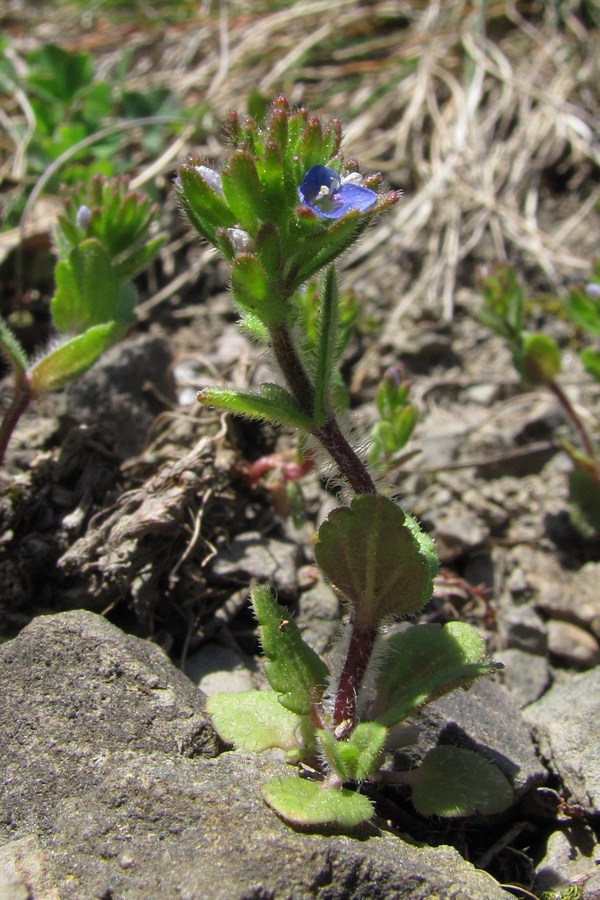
[252,556]
[217,669]
[522,628]
[570,855]
[319,616]
[572,645]
[102,796]
[484,719]
[574,597]
[458,531]
[125,386]
[526,675]
[567,727]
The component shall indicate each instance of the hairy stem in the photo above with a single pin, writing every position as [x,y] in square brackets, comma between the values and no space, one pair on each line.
[353,469]
[19,403]
[357,659]
[329,434]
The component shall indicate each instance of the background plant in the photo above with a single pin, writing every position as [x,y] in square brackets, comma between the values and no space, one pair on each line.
[538,361]
[102,242]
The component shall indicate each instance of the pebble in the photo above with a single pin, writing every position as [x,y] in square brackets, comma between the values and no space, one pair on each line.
[571,645]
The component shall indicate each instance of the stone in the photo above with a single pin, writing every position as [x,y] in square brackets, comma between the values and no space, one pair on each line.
[566,723]
[522,628]
[124,391]
[251,556]
[319,616]
[526,675]
[216,669]
[574,597]
[570,855]
[102,796]
[571,645]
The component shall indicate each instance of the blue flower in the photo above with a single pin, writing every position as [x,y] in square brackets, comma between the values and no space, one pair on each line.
[331,196]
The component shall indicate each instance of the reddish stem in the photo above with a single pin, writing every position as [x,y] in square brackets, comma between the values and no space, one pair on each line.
[357,659]
[572,414]
[329,435]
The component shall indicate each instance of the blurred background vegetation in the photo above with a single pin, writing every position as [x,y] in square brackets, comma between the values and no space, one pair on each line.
[485,114]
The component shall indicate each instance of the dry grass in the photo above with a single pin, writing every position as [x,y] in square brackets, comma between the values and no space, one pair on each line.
[484,114]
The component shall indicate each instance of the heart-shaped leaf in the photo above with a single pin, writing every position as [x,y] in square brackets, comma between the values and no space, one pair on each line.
[453,782]
[303,802]
[378,557]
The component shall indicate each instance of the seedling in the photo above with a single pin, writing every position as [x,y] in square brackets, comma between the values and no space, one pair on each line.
[102,242]
[282,209]
[537,359]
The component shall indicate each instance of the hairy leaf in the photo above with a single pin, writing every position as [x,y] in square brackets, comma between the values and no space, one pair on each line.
[303,802]
[425,662]
[453,782]
[71,359]
[294,670]
[355,758]
[378,557]
[253,721]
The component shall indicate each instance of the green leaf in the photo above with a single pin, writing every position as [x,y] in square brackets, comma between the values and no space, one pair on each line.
[355,758]
[327,344]
[423,663]
[295,671]
[274,404]
[57,74]
[584,494]
[243,191]
[453,782]
[88,291]
[378,557]
[254,721]
[538,360]
[303,802]
[591,360]
[253,290]
[12,349]
[139,259]
[207,209]
[71,359]
[584,311]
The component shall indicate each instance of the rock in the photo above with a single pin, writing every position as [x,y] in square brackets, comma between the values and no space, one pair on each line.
[526,675]
[251,556]
[567,728]
[319,616]
[572,646]
[570,855]
[217,669]
[102,796]
[486,720]
[554,591]
[457,532]
[574,597]
[122,392]
[522,628]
